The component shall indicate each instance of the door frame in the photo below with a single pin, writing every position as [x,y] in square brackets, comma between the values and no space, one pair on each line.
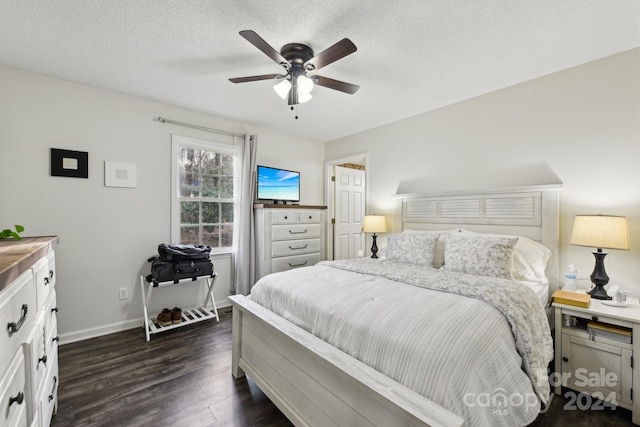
[329,189]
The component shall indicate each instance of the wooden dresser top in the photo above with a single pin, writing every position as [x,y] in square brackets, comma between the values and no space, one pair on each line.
[16,256]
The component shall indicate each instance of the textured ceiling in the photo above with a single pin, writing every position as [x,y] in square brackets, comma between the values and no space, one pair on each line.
[413,55]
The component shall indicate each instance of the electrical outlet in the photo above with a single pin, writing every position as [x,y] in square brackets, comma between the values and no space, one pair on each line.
[124,293]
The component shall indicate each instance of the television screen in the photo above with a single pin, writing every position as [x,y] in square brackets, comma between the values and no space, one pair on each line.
[278,184]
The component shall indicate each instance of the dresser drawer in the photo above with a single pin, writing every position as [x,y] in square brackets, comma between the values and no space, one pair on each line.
[295,247]
[45,278]
[37,357]
[49,396]
[17,309]
[285,217]
[297,231]
[287,263]
[51,323]
[309,217]
[13,394]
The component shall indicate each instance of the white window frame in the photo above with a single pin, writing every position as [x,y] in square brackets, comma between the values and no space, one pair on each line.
[222,144]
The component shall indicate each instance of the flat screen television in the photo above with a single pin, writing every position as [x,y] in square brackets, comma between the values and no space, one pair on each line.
[278,184]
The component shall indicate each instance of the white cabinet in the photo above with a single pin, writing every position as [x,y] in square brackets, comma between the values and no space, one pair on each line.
[594,353]
[29,349]
[288,237]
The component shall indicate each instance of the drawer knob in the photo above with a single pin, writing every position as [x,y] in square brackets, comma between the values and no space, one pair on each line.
[15,326]
[43,359]
[56,338]
[594,318]
[286,217]
[565,359]
[18,399]
[55,309]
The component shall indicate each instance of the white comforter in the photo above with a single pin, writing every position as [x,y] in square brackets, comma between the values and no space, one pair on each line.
[475,345]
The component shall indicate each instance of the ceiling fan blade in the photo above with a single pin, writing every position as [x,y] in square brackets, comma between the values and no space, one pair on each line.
[256,78]
[338,51]
[335,84]
[265,47]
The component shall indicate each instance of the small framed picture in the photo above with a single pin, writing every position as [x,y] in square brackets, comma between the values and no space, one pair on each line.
[69,163]
[118,174]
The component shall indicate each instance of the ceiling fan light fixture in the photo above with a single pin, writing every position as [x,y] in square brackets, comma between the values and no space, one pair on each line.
[303,97]
[305,84]
[282,88]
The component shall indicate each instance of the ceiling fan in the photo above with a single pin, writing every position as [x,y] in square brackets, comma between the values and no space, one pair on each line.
[298,59]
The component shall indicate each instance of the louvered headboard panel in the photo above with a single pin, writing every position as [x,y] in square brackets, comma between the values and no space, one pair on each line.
[532,212]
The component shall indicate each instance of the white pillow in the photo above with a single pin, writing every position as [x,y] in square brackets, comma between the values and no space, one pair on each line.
[418,248]
[438,257]
[480,255]
[529,260]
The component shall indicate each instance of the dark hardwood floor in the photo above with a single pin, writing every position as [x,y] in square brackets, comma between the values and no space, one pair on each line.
[183,378]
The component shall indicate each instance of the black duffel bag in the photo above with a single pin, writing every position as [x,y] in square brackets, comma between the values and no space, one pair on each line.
[183,252]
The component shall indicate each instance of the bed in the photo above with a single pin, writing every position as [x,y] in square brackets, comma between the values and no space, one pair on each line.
[400,342]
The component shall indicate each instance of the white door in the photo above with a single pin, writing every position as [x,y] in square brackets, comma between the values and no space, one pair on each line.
[348,238]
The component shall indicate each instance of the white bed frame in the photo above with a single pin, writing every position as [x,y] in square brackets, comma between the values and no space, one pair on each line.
[315,384]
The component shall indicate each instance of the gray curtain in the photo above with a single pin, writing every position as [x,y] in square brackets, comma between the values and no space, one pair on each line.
[244,253]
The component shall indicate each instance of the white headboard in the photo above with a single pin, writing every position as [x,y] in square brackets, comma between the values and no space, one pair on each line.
[531,211]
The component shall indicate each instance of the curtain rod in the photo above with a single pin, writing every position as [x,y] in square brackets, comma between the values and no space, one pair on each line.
[189,125]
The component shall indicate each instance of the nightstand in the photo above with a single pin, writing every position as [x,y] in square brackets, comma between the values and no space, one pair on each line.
[594,351]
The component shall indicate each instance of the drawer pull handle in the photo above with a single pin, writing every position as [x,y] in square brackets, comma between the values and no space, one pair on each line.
[298,232]
[299,247]
[55,309]
[15,327]
[56,338]
[53,389]
[298,265]
[50,274]
[18,399]
[46,281]
[43,359]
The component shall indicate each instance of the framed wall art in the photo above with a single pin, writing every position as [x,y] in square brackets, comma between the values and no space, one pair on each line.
[117,174]
[69,163]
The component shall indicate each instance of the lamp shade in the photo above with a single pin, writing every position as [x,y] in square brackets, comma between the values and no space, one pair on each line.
[601,231]
[374,224]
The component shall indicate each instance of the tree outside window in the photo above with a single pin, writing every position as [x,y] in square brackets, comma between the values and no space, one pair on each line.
[205,196]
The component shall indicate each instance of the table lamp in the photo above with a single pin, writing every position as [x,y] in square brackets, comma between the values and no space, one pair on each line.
[374,224]
[600,231]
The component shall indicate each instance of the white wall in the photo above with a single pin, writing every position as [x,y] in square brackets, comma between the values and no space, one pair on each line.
[106,233]
[581,124]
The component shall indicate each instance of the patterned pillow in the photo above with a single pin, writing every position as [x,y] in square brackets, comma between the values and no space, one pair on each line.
[482,256]
[417,249]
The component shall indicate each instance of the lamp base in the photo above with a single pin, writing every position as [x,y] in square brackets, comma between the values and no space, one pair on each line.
[374,247]
[598,292]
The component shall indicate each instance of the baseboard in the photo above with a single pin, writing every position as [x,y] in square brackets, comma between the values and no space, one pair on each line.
[85,334]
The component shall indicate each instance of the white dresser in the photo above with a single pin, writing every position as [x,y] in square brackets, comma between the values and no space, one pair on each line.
[288,236]
[29,343]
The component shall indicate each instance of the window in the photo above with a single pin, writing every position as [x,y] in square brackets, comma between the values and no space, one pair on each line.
[203,193]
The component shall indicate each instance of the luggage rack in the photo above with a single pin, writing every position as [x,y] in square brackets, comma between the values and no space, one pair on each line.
[192,315]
